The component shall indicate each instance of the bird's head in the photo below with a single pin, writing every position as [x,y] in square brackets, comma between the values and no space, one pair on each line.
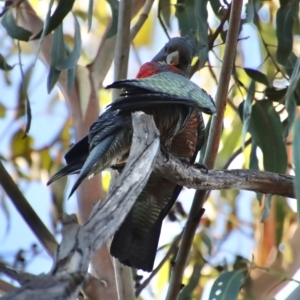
[178,52]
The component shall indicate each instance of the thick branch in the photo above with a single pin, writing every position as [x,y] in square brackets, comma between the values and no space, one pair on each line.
[80,242]
[252,180]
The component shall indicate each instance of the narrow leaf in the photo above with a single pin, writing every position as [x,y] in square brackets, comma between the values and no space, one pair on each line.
[253,163]
[4,65]
[45,28]
[114,6]
[202,30]
[28,107]
[71,78]
[247,108]
[267,208]
[57,54]
[275,94]
[250,12]
[185,13]
[266,129]
[227,286]
[284,30]
[296,157]
[290,102]
[13,30]
[71,60]
[90,14]
[62,9]
[257,76]
[164,7]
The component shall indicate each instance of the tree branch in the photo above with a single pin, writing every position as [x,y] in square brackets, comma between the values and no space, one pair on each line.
[26,211]
[80,242]
[211,150]
[251,180]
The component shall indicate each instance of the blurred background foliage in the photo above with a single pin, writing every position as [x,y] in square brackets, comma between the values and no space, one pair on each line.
[263,101]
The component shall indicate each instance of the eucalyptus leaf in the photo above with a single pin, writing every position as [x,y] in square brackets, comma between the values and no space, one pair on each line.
[4,65]
[290,101]
[267,208]
[227,286]
[284,29]
[275,94]
[57,54]
[114,6]
[266,129]
[164,7]
[201,15]
[16,32]
[61,11]
[247,108]
[253,162]
[257,76]
[71,60]
[296,158]
[90,14]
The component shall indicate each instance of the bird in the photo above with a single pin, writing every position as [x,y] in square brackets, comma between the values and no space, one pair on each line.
[162,89]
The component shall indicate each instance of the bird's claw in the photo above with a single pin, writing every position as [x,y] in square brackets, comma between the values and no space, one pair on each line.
[202,167]
[165,152]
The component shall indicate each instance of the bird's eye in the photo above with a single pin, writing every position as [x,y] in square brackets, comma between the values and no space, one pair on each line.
[166,48]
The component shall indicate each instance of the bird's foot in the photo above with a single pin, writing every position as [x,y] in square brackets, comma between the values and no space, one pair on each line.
[165,152]
[203,168]
[118,167]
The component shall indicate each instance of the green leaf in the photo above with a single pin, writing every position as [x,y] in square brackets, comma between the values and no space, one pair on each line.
[217,8]
[296,158]
[247,108]
[193,282]
[257,76]
[71,60]
[253,163]
[71,78]
[206,240]
[275,94]
[24,91]
[13,30]
[266,129]
[164,7]
[58,52]
[4,65]
[114,6]
[284,30]
[202,30]
[203,148]
[281,210]
[90,14]
[62,9]
[290,101]
[267,208]
[250,10]
[227,286]
[185,13]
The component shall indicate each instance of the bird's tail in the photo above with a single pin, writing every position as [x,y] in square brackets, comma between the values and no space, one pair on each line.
[109,139]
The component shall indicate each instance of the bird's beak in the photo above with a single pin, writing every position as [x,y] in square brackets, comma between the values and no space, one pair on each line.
[173,58]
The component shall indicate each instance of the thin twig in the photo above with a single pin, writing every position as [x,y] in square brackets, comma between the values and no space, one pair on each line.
[236,153]
[162,24]
[142,19]
[123,274]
